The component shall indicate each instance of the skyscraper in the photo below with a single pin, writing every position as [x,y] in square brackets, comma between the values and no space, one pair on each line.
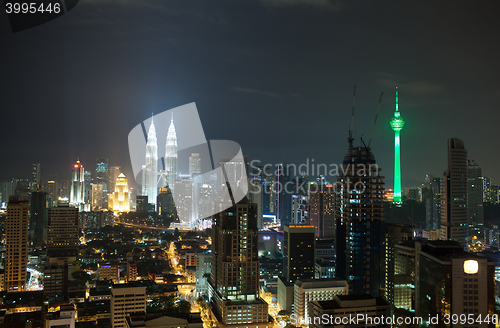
[38,220]
[36,174]
[234,278]
[151,172]
[322,210]
[433,203]
[62,252]
[97,198]
[52,193]
[298,261]
[171,156]
[397,124]
[114,172]
[65,190]
[360,223]
[184,198]
[119,201]
[449,280]
[102,178]
[298,252]
[77,193]
[194,164]
[475,210]
[283,194]
[454,223]
[62,229]
[16,245]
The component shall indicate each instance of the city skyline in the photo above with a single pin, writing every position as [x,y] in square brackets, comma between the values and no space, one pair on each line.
[208,165]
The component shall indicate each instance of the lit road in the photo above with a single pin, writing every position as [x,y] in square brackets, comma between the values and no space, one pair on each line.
[34,282]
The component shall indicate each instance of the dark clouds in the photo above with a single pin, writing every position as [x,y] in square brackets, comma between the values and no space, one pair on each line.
[274,75]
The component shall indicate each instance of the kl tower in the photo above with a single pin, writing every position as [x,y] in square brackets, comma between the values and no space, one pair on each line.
[397,124]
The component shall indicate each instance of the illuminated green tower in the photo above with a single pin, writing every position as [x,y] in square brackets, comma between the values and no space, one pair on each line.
[397,124]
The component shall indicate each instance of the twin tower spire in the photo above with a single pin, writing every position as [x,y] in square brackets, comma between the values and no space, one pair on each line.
[150,172]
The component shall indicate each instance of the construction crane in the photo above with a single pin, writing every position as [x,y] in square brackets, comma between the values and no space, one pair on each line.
[352,118]
[375,122]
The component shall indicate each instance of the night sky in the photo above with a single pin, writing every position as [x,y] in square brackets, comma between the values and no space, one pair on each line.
[276,76]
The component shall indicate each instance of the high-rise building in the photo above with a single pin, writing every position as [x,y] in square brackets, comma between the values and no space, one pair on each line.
[486,189]
[165,203]
[64,192]
[62,252]
[394,235]
[38,220]
[114,172]
[16,245]
[125,300]
[433,204]
[102,178]
[298,252]
[77,193]
[87,179]
[322,210]
[284,194]
[97,198]
[234,279]
[360,223]
[450,280]
[475,210]
[8,189]
[150,187]
[194,164]
[298,261]
[118,201]
[454,223]
[300,209]
[62,228]
[203,269]
[269,192]
[397,124]
[52,192]
[171,168]
[184,196]
[255,197]
[36,175]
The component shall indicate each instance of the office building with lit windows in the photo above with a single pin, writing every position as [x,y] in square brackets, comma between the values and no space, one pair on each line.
[452,281]
[475,210]
[361,250]
[102,178]
[171,157]
[322,210]
[233,285]
[454,222]
[77,192]
[119,201]
[38,220]
[16,245]
[298,261]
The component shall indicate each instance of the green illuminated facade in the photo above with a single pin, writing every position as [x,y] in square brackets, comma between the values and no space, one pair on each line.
[397,124]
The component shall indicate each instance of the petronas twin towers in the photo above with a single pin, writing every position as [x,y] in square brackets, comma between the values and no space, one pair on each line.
[150,173]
